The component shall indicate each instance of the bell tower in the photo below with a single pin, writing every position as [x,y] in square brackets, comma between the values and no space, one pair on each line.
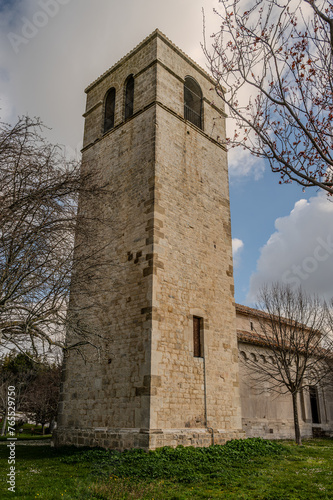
[171,373]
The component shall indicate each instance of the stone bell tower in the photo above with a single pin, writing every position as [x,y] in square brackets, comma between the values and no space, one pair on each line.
[171,375]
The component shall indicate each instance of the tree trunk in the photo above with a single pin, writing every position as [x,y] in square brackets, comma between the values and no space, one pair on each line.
[43,429]
[4,422]
[52,425]
[298,438]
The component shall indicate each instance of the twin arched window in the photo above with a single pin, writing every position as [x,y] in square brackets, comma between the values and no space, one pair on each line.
[193,102]
[110,104]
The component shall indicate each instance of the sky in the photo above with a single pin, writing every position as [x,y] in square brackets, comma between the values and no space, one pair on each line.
[51,50]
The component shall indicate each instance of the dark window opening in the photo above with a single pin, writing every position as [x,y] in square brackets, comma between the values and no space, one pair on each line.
[251,326]
[193,102]
[129,97]
[314,403]
[110,104]
[197,337]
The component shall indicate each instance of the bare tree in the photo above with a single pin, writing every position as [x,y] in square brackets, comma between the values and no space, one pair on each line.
[39,190]
[17,370]
[292,326]
[273,67]
[36,383]
[42,395]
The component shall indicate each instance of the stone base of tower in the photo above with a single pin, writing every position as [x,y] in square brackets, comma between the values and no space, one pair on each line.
[119,439]
[124,439]
[191,437]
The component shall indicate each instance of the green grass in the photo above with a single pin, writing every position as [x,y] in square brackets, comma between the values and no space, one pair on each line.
[27,433]
[28,437]
[252,469]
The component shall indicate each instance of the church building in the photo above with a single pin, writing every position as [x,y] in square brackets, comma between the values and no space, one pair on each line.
[168,371]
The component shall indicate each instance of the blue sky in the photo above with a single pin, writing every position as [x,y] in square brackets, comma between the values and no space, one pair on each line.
[50,50]
[255,206]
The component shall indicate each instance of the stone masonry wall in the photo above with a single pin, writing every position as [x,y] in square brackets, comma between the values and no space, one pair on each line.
[113,393]
[194,278]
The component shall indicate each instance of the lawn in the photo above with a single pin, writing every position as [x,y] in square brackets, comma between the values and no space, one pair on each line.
[29,431]
[246,469]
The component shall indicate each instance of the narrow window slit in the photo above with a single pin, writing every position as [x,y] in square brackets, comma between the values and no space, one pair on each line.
[197,337]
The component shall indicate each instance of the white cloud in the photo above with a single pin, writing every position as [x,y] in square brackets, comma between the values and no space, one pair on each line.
[243,164]
[300,252]
[237,246]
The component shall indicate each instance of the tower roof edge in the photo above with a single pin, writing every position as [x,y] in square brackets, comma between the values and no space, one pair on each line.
[155,34]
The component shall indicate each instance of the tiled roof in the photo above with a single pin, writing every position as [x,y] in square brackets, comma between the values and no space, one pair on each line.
[251,338]
[260,340]
[250,311]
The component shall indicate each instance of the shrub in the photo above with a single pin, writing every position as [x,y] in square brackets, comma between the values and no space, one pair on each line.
[186,464]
